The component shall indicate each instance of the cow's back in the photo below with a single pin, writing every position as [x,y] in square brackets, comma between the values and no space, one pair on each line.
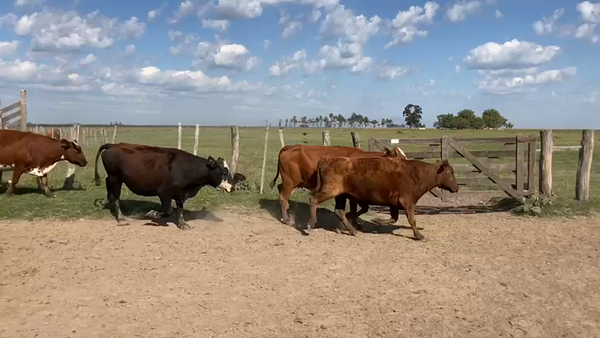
[20,147]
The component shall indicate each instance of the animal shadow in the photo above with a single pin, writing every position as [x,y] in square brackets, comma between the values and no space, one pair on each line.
[136,209]
[30,190]
[326,219]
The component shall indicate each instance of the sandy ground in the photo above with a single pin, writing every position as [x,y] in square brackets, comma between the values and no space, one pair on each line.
[480,275]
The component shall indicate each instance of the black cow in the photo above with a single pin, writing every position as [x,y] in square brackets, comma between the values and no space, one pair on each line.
[169,173]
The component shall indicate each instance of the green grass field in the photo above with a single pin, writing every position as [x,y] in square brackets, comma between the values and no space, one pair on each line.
[30,203]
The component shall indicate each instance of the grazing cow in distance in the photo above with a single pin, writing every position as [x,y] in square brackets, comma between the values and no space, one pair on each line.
[169,173]
[297,165]
[35,154]
[379,181]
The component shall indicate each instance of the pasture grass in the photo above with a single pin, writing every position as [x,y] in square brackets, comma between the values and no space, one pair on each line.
[29,203]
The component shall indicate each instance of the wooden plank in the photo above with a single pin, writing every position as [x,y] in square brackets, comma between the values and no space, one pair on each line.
[445,155]
[12,115]
[438,141]
[482,181]
[471,157]
[520,167]
[496,167]
[531,165]
[455,154]
[584,167]
[545,173]
[11,107]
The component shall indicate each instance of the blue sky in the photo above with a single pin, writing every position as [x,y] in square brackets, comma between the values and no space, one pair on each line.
[223,62]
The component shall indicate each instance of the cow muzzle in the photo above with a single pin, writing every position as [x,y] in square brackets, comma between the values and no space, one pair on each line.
[225,186]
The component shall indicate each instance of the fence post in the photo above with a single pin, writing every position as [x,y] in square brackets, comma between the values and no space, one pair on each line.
[23,110]
[445,155]
[196,135]
[114,134]
[546,145]
[235,150]
[326,140]
[70,178]
[532,147]
[264,163]
[584,167]
[281,138]
[179,136]
[355,139]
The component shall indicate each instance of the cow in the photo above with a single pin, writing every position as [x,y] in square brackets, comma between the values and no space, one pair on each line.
[35,154]
[379,181]
[169,173]
[297,165]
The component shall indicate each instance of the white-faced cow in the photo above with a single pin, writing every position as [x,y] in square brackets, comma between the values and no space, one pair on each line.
[35,154]
[169,173]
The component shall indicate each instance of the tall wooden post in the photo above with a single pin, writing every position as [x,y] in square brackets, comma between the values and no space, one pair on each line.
[584,167]
[114,134]
[196,136]
[281,138]
[264,163]
[326,140]
[546,144]
[179,136]
[355,139]
[445,155]
[235,150]
[23,110]
[70,177]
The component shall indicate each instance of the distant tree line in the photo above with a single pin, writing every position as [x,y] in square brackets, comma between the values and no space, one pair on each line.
[466,119]
[333,120]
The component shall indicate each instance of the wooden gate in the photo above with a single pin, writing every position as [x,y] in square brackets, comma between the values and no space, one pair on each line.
[478,167]
[14,116]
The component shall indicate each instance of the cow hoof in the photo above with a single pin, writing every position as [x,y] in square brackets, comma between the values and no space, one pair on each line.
[153,214]
[184,226]
[419,237]
[286,221]
[122,222]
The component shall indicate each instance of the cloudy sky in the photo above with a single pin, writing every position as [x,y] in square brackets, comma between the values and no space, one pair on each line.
[221,62]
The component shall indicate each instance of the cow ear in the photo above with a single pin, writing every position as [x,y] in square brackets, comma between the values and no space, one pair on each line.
[399,153]
[442,165]
[211,164]
[64,144]
[388,152]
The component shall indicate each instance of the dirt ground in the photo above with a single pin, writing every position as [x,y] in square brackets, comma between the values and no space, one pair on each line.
[244,274]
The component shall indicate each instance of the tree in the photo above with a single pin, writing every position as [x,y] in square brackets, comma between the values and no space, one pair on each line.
[509,125]
[493,119]
[461,123]
[374,123]
[445,121]
[413,115]
[294,121]
[478,123]
[468,115]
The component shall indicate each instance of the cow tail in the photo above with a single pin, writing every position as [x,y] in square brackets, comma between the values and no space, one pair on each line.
[319,168]
[272,184]
[96,175]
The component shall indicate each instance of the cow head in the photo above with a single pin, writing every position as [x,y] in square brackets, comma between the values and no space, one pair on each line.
[397,153]
[219,173]
[72,152]
[445,176]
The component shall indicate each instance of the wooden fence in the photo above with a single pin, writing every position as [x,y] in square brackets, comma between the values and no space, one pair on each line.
[506,171]
[14,116]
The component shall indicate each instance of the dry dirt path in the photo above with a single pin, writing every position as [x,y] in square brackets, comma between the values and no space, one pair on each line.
[484,275]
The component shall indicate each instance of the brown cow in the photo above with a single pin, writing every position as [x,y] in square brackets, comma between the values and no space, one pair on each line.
[34,154]
[298,164]
[379,181]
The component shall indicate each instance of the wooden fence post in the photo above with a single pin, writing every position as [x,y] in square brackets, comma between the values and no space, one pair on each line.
[584,167]
[235,150]
[545,181]
[179,136]
[264,163]
[23,110]
[326,140]
[114,134]
[281,138]
[196,136]
[355,139]
[70,178]
[445,150]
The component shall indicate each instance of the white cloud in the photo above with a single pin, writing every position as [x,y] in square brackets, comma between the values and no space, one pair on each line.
[403,27]
[224,55]
[548,25]
[220,25]
[502,85]
[459,11]
[41,76]
[88,60]
[291,28]
[355,29]
[590,12]
[185,8]
[186,44]
[186,80]
[266,44]
[288,63]
[457,69]
[129,50]
[153,14]
[283,16]
[594,97]
[512,54]
[28,2]
[56,30]
[344,55]
[314,15]
[174,35]
[8,48]
[390,72]
[499,14]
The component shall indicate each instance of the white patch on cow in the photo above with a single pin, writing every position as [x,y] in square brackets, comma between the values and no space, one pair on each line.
[225,185]
[225,165]
[394,141]
[75,142]
[6,167]
[401,152]
[39,172]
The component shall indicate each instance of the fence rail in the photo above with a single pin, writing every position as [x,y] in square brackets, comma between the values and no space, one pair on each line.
[14,116]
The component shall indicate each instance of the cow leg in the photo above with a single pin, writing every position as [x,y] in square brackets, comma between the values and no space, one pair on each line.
[340,203]
[364,208]
[17,172]
[341,213]
[393,219]
[181,224]
[113,194]
[284,195]
[314,204]
[43,184]
[410,214]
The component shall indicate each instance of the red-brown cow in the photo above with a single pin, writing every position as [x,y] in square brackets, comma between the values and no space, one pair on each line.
[298,164]
[34,154]
[379,181]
